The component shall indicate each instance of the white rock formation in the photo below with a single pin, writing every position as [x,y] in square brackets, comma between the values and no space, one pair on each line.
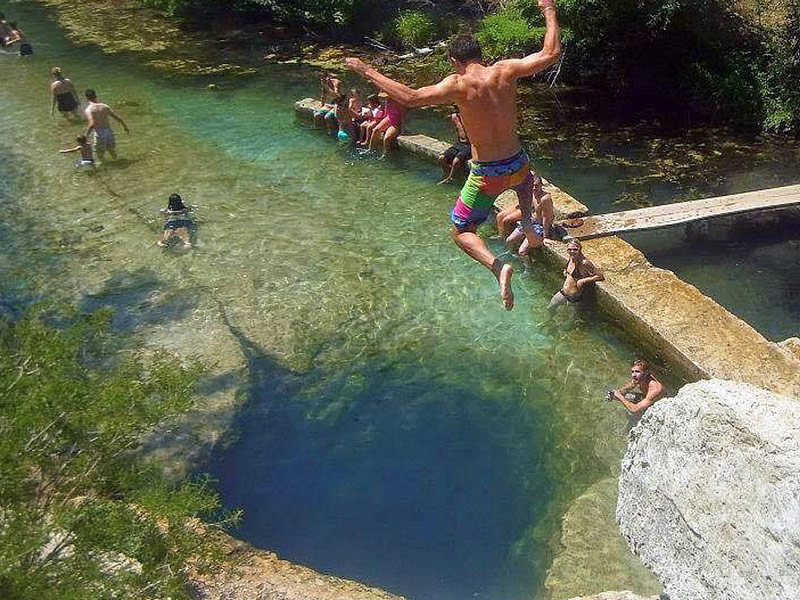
[709,496]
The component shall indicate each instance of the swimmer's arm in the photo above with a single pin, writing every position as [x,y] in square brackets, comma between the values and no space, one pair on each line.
[53,104]
[596,275]
[75,149]
[619,394]
[654,392]
[442,92]
[548,55]
[117,118]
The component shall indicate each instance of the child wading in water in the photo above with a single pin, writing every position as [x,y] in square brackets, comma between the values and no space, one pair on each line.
[87,158]
[178,222]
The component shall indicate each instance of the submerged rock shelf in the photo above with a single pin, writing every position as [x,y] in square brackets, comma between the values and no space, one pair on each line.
[690,331]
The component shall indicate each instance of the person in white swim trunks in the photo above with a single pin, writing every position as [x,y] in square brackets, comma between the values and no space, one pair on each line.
[98,115]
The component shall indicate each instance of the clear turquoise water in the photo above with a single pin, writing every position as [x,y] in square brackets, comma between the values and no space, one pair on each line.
[398,427]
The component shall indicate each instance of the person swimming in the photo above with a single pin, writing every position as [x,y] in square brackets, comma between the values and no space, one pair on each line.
[87,157]
[177,222]
[25,48]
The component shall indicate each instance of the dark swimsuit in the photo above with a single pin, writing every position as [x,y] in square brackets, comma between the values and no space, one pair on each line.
[25,49]
[66,102]
[461,149]
[573,298]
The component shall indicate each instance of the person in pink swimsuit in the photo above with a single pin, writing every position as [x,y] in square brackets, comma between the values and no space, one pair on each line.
[391,126]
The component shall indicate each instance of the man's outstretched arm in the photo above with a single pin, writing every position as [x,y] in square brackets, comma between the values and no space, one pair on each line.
[551,49]
[442,92]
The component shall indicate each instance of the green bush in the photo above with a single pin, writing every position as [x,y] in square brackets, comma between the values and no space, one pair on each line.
[83,516]
[414,28]
[507,34]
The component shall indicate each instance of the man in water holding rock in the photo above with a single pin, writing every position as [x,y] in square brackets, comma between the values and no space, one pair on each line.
[486,98]
[642,386]
[98,113]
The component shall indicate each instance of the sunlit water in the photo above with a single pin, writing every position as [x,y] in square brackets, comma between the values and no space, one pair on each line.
[398,427]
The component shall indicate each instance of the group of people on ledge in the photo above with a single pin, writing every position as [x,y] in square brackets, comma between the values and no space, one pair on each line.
[365,125]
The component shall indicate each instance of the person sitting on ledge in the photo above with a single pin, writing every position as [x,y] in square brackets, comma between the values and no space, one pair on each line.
[642,391]
[331,88]
[457,155]
[509,221]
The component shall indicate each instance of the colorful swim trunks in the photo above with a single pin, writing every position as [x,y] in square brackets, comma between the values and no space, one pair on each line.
[486,181]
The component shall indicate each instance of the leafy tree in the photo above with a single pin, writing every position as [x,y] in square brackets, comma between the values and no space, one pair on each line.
[82,516]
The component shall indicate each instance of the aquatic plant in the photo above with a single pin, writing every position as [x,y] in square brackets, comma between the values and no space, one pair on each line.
[82,514]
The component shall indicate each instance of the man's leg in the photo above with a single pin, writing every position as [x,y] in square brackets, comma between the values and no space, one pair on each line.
[525,197]
[474,246]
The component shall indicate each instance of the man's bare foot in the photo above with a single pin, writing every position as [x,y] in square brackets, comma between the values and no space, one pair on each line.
[505,286]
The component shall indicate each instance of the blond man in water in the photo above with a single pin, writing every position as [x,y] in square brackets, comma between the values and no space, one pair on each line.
[486,98]
[642,385]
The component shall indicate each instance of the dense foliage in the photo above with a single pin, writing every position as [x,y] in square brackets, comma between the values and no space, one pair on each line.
[733,60]
[81,516]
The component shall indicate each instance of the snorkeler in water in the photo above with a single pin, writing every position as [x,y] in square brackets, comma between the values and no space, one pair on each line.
[177,222]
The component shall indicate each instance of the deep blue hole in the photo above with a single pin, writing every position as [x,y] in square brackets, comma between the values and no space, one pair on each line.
[392,477]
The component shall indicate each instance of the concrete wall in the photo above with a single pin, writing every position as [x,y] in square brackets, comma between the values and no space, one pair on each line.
[696,336]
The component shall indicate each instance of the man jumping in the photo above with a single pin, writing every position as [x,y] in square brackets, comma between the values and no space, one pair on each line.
[486,97]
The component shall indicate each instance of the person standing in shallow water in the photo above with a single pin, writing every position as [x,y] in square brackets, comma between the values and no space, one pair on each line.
[486,98]
[64,95]
[98,115]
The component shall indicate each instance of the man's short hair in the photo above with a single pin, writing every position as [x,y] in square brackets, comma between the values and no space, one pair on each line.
[641,363]
[91,94]
[465,48]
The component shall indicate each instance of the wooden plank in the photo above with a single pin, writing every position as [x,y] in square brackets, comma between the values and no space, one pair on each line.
[667,215]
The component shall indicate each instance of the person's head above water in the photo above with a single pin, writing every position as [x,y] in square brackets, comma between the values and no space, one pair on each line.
[81,139]
[574,248]
[56,71]
[91,95]
[175,203]
[464,50]
[640,370]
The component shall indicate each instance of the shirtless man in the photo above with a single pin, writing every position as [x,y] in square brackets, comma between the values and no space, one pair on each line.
[648,386]
[64,95]
[98,114]
[486,98]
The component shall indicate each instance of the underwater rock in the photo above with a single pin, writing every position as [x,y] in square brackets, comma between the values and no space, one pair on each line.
[709,496]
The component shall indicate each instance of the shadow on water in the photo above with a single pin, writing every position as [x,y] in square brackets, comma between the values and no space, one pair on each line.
[383,473]
[139,298]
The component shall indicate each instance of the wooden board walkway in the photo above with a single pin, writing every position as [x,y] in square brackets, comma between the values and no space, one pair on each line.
[656,217]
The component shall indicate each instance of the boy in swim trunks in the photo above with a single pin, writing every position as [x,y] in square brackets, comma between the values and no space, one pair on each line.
[87,158]
[98,115]
[458,154]
[486,98]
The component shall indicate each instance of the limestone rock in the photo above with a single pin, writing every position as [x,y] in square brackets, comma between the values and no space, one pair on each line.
[791,346]
[624,595]
[709,496]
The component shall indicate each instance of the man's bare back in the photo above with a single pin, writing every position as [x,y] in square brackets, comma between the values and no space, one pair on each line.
[486,98]
[98,114]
